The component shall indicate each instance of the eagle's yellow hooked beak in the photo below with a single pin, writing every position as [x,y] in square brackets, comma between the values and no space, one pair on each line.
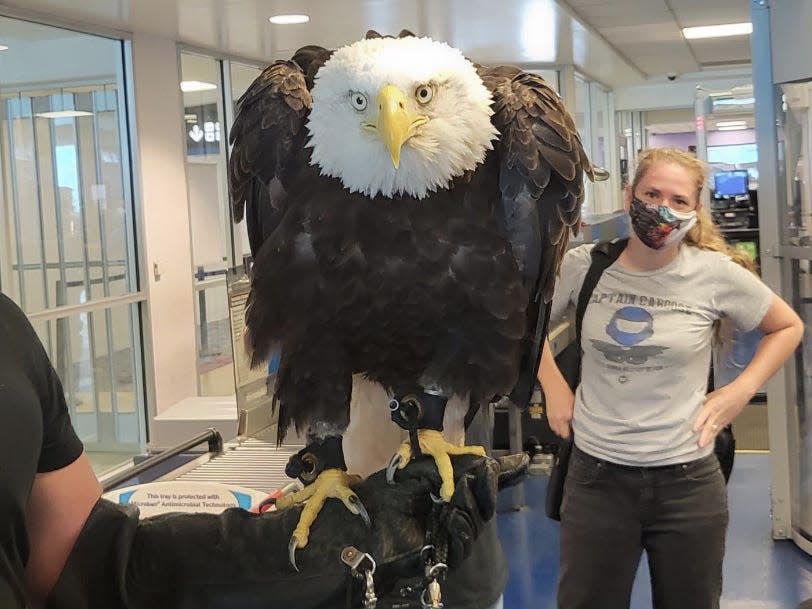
[395,123]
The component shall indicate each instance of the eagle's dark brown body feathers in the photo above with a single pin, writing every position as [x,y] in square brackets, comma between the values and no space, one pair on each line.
[407,292]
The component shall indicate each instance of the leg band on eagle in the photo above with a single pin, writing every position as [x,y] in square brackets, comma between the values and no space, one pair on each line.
[320,466]
[308,463]
[417,410]
[421,413]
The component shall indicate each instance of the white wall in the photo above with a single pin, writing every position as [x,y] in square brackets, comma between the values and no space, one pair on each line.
[169,324]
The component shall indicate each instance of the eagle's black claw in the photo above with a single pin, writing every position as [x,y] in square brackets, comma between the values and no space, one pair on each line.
[394,462]
[362,511]
[294,543]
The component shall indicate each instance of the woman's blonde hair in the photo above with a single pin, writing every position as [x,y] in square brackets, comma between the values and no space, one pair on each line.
[705,234]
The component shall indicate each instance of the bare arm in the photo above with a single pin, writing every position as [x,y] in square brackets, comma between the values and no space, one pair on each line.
[59,504]
[558,397]
[783,330]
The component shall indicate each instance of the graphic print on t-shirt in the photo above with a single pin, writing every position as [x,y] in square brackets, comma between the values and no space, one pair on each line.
[628,327]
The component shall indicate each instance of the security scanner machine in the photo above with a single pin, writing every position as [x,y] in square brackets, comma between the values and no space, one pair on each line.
[731,203]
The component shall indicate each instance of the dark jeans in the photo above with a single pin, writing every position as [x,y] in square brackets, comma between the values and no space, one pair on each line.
[611,513]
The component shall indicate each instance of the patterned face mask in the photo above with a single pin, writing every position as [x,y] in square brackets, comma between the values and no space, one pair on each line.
[659,226]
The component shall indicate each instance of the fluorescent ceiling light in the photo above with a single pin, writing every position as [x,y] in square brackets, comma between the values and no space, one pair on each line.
[63,114]
[190,86]
[730,123]
[3,47]
[732,101]
[63,105]
[717,31]
[288,19]
[733,128]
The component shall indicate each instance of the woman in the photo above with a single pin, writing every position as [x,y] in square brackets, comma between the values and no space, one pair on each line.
[642,475]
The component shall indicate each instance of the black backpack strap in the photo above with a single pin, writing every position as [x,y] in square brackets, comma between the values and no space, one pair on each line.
[603,255]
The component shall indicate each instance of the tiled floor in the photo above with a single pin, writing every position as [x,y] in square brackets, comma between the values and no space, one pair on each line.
[759,572]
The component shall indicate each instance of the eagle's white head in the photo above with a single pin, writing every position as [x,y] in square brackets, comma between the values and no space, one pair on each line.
[395,116]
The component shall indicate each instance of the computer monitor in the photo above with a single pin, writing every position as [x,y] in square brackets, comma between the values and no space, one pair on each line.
[730,183]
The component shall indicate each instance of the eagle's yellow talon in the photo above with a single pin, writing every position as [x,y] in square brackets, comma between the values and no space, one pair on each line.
[329,483]
[433,444]
[301,535]
[405,452]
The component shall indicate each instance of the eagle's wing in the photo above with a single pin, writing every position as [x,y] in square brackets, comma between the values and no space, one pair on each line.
[268,138]
[542,165]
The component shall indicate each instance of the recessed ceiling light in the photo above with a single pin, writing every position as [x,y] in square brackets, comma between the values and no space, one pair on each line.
[717,31]
[288,19]
[732,128]
[730,123]
[3,47]
[190,86]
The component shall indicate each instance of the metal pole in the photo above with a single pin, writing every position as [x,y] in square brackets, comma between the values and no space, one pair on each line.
[15,202]
[204,322]
[211,436]
[101,203]
[770,202]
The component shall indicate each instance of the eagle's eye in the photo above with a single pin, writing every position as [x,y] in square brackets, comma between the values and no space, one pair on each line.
[424,93]
[358,100]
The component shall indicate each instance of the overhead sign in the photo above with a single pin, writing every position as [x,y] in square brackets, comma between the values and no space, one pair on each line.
[202,125]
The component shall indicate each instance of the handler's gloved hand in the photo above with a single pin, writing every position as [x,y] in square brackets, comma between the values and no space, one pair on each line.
[239,559]
[478,481]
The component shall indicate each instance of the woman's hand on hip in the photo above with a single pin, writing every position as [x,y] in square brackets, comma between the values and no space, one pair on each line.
[720,408]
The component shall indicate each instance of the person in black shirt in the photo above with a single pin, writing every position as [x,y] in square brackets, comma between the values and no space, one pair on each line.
[62,546]
[42,511]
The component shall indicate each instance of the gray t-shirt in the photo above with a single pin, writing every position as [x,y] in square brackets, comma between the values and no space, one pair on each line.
[647,339]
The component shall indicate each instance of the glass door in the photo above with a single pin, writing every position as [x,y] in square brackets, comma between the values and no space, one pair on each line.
[795,146]
[67,250]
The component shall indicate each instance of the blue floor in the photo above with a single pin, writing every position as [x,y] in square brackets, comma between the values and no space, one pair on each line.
[759,573]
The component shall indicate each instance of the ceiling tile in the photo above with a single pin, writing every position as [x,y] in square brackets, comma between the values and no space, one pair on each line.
[691,13]
[715,51]
[656,32]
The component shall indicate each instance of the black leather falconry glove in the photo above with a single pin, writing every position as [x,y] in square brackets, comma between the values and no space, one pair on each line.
[239,559]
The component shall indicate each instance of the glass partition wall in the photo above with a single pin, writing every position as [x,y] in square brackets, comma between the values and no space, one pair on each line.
[795,145]
[67,251]
[205,142]
[782,81]
[220,250]
[595,120]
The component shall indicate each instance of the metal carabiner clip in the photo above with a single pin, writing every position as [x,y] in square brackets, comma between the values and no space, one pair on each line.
[354,558]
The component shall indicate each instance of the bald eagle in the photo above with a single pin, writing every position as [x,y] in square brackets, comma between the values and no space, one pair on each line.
[407,212]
